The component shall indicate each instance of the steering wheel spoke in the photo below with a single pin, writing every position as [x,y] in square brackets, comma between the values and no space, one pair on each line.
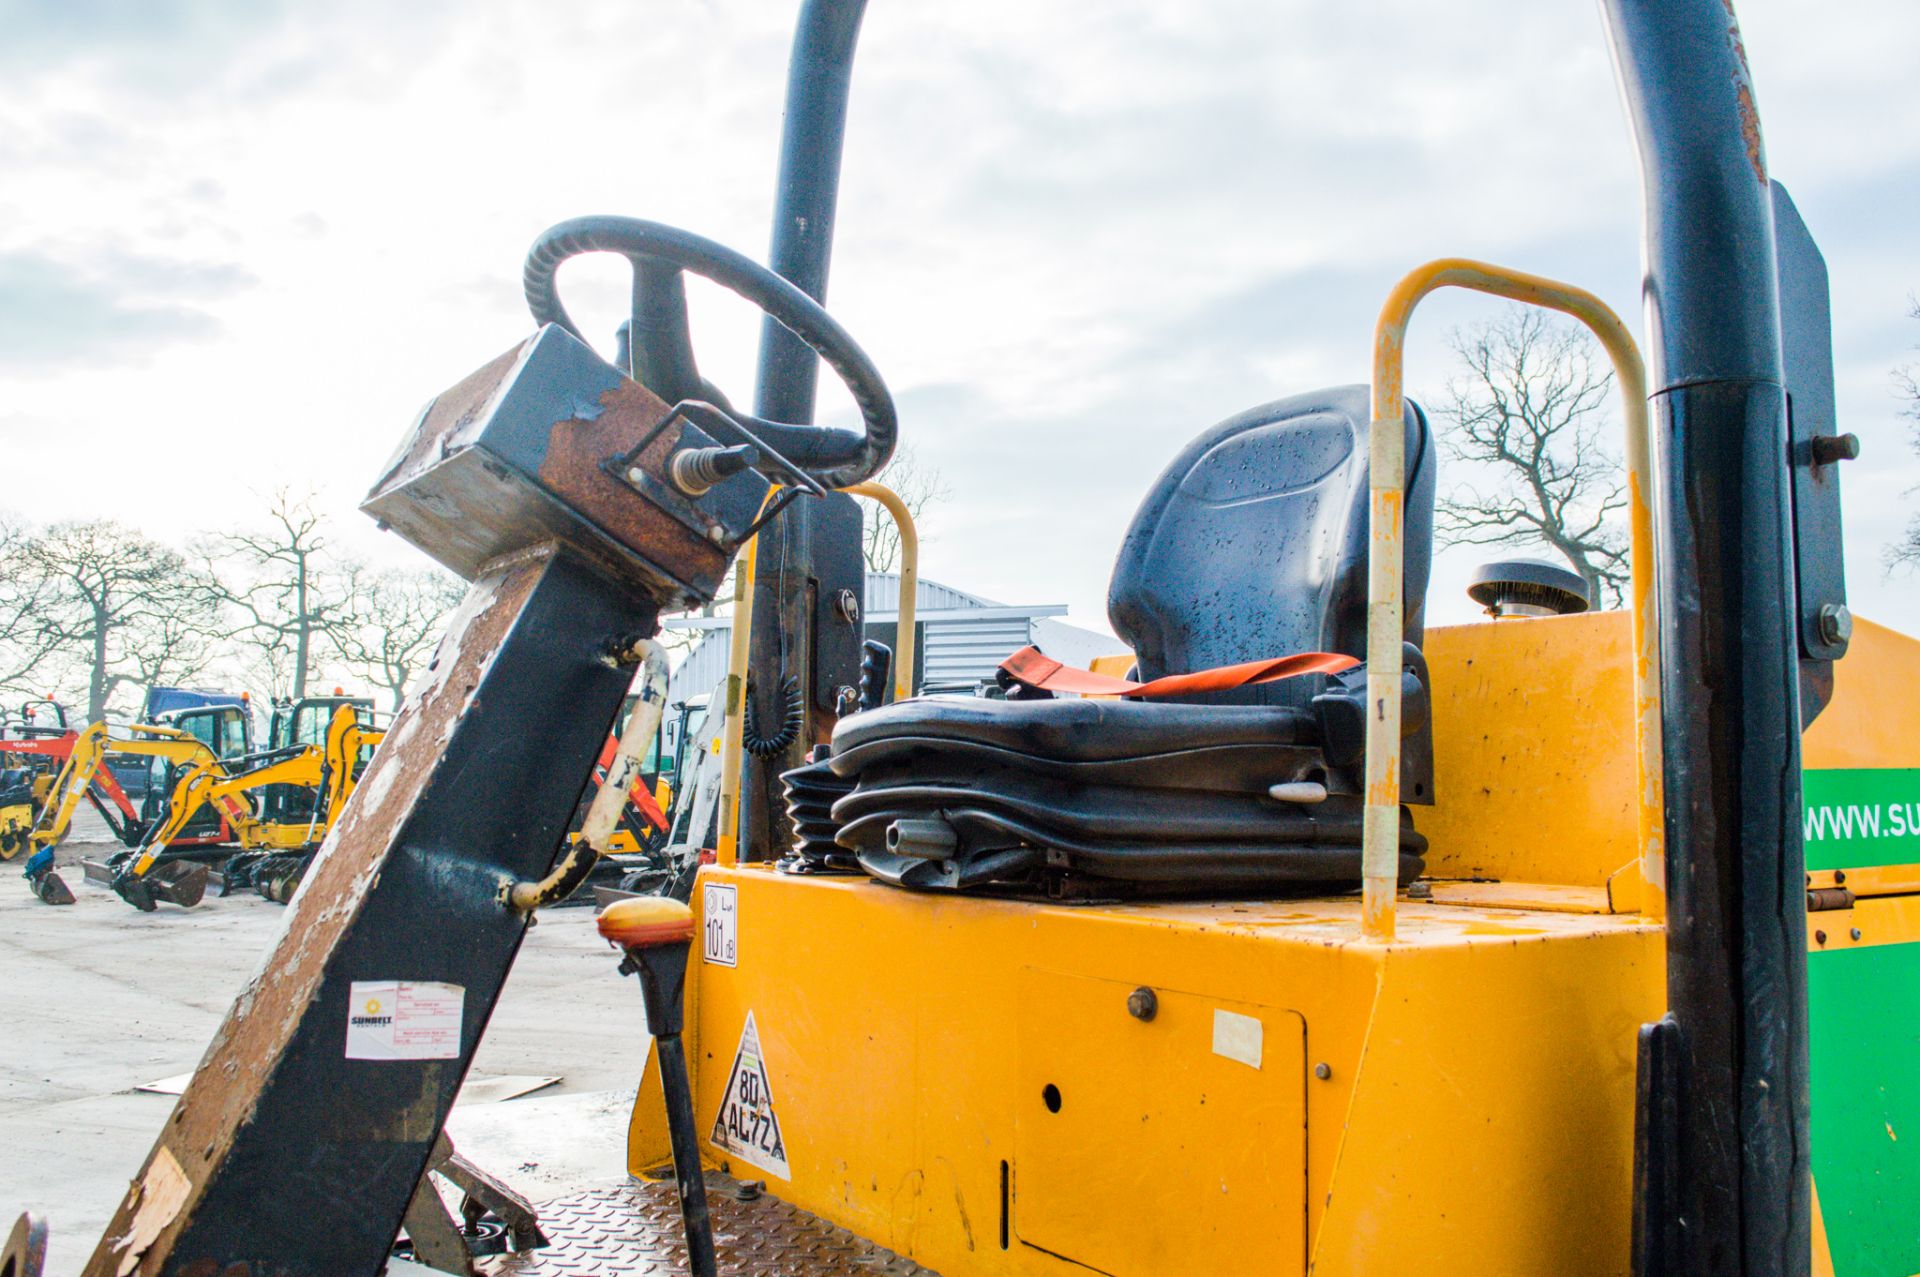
[663,350]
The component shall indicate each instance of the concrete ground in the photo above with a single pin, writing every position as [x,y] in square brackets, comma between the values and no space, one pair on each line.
[98,998]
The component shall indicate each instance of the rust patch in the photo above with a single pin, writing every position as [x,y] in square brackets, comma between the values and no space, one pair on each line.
[1744,104]
[1750,132]
[440,427]
[571,470]
[263,1019]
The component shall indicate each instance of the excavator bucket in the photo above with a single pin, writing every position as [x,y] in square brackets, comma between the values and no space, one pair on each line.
[47,884]
[182,883]
[52,889]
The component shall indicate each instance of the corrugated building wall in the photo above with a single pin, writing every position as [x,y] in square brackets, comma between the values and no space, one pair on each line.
[964,637]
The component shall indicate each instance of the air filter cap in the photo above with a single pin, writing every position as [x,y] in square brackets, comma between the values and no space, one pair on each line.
[1528,587]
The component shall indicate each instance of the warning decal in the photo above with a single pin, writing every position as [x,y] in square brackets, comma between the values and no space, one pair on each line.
[746,1125]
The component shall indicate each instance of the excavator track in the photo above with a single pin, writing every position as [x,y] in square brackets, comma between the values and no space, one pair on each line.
[634,1229]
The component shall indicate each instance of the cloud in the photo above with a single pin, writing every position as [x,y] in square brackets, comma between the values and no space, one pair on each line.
[119,307]
[1072,234]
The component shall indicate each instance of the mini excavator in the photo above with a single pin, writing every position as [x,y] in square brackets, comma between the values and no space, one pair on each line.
[1325,942]
[85,773]
[306,787]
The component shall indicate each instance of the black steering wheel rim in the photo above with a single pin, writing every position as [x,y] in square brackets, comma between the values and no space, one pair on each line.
[836,457]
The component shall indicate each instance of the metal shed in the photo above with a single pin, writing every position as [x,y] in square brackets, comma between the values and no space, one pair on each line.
[962,637]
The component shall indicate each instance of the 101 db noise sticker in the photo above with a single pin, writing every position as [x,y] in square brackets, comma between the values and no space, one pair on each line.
[746,1125]
[720,938]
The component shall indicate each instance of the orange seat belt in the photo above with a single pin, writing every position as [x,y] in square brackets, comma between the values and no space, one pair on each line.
[1030,667]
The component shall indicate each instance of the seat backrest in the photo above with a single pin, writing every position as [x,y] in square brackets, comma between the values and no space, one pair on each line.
[1253,543]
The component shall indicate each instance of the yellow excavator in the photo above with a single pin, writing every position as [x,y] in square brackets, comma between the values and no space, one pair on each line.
[273,849]
[1321,942]
[83,771]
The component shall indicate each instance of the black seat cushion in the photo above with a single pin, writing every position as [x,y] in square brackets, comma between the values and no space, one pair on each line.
[1253,543]
[1097,797]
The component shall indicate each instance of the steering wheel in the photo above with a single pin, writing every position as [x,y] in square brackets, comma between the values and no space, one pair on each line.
[836,457]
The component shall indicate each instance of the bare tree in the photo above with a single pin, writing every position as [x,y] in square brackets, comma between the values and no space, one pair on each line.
[919,486]
[290,590]
[396,622]
[25,646]
[1527,418]
[1905,553]
[119,608]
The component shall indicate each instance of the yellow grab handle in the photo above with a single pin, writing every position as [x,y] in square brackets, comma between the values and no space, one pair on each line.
[1380,855]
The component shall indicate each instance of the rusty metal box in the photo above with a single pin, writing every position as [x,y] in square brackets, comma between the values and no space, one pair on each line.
[549,442]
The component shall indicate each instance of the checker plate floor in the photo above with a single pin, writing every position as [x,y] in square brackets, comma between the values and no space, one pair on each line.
[634,1230]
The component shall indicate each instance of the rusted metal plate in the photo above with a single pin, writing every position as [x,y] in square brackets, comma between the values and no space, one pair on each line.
[634,1229]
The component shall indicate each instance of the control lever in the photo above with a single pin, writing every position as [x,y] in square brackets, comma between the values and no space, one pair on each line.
[654,932]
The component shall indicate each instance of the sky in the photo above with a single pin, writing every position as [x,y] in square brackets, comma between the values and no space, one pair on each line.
[242,244]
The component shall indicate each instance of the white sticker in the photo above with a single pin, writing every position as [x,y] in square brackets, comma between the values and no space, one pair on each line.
[404,1020]
[746,1125]
[722,944]
[1237,1037]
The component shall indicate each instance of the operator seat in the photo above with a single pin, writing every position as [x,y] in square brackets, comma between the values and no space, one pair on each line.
[1252,544]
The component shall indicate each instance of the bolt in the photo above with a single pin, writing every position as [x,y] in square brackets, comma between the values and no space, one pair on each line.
[1819,937]
[1856,933]
[1143,1004]
[717,535]
[1836,623]
[636,474]
[1420,891]
[1839,877]
[1828,449]
[1322,1071]
[847,606]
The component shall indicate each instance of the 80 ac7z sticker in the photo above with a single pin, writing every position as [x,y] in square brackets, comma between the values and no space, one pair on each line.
[746,1125]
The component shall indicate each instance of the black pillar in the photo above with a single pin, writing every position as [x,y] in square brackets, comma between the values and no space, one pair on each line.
[818,81]
[1724,1108]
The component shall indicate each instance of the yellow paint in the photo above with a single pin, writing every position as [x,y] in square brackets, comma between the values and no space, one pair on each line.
[909,581]
[1879,920]
[1387,447]
[733,724]
[1135,1100]
[1822,1249]
[1532,778]
[1870,880]
[1870,721]
[1553,897]
[904,1036]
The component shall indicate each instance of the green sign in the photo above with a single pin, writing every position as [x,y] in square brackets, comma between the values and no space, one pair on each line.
[1864,1010]
[1855,817]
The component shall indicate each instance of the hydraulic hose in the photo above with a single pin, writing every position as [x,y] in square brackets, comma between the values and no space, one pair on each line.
[603,814]
[835,457]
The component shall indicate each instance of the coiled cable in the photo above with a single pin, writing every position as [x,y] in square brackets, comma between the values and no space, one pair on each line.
[793,715]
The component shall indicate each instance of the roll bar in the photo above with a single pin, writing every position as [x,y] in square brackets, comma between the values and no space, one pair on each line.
[1386,627]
